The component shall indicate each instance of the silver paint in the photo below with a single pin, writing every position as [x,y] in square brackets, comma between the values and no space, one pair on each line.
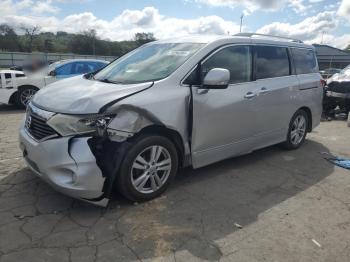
[226,122]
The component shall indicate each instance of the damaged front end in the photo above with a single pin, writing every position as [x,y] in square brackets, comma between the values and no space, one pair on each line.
[80,155]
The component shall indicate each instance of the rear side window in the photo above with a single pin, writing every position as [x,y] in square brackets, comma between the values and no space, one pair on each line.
[236,59]
[305,61]
[98,65]
[64,70]
[271,62]
[7,76]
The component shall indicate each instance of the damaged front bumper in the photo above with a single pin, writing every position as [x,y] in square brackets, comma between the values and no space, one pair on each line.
[67,164]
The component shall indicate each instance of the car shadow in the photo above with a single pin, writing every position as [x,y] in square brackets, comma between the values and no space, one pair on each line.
[200,208]
[9,109]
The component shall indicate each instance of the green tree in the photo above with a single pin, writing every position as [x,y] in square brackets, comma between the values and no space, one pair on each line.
[30,34]
[143,38]
[347,49]
[9,41]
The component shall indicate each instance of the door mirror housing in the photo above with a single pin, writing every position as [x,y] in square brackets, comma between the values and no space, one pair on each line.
[217,78]
[52,73]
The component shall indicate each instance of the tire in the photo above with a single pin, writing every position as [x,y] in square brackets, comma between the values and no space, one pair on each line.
[24,95]
[132,181]
[297,134]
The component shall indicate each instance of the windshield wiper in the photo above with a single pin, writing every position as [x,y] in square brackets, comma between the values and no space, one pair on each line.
[106,80]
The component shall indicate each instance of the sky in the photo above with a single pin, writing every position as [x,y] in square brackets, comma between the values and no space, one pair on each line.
[313,21]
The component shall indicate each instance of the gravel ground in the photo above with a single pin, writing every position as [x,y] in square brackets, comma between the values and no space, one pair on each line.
[271,205]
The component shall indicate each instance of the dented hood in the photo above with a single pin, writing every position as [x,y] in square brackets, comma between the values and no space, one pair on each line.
[78,95]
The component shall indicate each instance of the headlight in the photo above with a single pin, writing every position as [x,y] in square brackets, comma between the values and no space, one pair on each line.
[67,125]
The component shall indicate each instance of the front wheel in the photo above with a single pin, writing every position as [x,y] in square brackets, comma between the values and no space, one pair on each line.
[148,168]
[24,96]
[297,130]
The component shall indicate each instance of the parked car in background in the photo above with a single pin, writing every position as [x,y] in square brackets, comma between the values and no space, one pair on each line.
[189,101]
[338,93]
[327,73]
[21,86]
[33,66]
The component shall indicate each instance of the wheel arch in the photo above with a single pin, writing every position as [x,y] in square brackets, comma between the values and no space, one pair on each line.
[307,110]
[13,98]
[20,88]
[169,133]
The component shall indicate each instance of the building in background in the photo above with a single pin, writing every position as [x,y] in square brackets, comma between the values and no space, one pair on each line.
[331,57]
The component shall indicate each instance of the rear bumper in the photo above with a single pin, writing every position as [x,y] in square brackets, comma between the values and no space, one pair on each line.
[67,164]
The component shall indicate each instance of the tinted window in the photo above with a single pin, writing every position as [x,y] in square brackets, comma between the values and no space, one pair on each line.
[7,76]
[64,70]
[237,59]
[271,62]
[19,75]
[98,65]
[305,61]
[82,68]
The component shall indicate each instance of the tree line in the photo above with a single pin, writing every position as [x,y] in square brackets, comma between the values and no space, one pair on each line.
[30,39]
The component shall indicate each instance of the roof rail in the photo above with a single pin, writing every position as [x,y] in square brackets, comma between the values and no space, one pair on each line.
[270,36]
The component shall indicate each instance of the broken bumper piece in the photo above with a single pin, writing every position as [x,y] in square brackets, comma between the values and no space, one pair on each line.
[67,164]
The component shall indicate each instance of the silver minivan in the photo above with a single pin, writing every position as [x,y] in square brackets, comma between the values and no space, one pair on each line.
[169,104]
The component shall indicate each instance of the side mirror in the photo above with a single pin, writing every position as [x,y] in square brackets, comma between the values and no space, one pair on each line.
[217,78]
[52,73]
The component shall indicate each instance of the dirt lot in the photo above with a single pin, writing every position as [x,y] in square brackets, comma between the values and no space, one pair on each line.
[283,201]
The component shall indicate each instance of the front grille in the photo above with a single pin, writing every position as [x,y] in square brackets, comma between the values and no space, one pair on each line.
[38,128]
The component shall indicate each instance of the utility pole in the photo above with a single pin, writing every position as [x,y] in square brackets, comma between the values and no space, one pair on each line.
[240,28]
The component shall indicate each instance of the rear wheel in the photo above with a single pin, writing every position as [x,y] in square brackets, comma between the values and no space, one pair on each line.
[24,96]
[297,130]
[148,168]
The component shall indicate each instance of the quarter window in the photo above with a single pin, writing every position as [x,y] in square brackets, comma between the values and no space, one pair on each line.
[305,61]
[64,70]
[236,59]
[271,62]
[81,68]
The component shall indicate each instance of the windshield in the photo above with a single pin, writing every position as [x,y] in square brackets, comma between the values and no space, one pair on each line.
[149,63]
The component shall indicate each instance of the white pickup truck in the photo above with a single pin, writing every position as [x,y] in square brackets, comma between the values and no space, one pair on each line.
[17,87]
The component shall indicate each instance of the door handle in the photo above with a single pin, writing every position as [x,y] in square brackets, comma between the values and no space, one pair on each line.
[250,95]
[263,90]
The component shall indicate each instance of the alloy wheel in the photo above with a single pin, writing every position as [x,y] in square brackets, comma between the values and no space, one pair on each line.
[26,96]
[151,169]
[298,130]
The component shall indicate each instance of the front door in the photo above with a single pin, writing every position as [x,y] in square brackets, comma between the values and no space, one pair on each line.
[224,120]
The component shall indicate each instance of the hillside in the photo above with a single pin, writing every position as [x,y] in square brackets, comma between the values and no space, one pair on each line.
[84,43]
